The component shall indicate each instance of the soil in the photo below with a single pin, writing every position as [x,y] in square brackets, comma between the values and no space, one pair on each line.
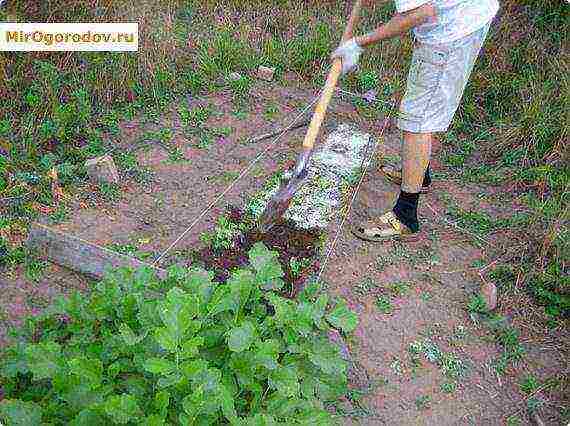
[289,242]
[428,283]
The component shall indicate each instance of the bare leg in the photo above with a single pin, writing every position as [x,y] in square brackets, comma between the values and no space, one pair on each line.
[416,152]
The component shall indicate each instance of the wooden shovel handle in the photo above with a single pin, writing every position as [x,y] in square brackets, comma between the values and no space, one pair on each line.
[328,90]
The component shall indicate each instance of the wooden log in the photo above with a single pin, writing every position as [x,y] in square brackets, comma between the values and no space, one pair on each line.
[80,255]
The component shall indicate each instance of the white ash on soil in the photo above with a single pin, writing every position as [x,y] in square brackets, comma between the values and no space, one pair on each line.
[335,165]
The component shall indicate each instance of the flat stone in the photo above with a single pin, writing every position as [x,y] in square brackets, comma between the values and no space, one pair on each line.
[265,73]
[102,170]
[334,167]
[234,76]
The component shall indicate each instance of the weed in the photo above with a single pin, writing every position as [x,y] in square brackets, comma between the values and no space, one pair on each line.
[59,215]
[130,250]
[448,387]
[384,304]
[165,136]
[34,269]
[205,141]
[423,402]
[227,176]
[449,363]
[298,265]
[452,366]
[175,155]
[368,80]
[514,420]
[240,114]
[309,52]
[533,404]
[111,192]
[199,115]
[224,234]
[271,112]
[477,222]
[194,82]
[382,262]
[354,177]
[548,287]
[399,289]
[240,89]
[477,305]
[459,334]
[397,367]
[364,287]
[513,351]
[529,385]
[222,131]
[223,54]
[421,257]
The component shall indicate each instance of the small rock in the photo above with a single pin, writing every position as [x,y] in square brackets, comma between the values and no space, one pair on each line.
[234,76]
[489,293]
[102,169]
[536,419]
[265,73]
[370,96]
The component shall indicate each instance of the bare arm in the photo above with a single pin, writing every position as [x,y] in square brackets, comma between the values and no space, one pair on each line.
[398,25]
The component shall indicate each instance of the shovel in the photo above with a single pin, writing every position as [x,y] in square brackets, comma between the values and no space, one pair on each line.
[280,202]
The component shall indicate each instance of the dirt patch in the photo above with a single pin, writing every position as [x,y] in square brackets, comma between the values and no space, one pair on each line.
[298,251]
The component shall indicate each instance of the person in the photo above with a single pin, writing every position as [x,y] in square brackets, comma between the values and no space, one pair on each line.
[448,35]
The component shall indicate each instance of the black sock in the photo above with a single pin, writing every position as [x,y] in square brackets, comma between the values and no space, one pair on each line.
[427,178]
[406,210]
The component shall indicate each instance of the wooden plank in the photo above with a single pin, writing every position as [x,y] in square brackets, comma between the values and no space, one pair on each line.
[79,255]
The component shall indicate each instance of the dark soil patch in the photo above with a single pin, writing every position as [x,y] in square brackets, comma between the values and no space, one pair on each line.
[294,246]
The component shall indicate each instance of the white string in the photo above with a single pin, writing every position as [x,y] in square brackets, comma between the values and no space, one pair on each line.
[231,185]
[354,194]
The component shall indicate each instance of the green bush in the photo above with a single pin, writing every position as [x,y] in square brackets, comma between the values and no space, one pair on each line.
[183,350]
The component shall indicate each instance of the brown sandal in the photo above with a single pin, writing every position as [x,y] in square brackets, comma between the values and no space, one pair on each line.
[394,175]
[385,228]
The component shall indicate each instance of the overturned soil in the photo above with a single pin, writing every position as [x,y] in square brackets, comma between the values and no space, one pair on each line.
[292,244]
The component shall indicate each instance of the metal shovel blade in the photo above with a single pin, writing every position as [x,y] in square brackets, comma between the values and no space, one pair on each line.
[281,200]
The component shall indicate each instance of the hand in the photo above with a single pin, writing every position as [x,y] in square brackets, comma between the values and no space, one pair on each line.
[349,52]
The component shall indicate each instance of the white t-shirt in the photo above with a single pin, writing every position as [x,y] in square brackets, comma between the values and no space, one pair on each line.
[454,18]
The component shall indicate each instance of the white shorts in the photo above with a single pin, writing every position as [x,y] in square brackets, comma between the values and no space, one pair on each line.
[436,81]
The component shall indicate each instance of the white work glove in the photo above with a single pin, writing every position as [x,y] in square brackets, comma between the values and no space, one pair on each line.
[349,52]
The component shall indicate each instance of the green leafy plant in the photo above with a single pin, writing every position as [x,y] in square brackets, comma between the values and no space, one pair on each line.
[368,80]
[449,363]
[448,387]
[110,191]
[477,304]
[179,350]
[299,264]
[271,112]
[240,89]
[529,384]
[384,304]
[423,402]
[224,234]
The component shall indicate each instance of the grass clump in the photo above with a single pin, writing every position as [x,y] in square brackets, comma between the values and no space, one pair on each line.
[182,350]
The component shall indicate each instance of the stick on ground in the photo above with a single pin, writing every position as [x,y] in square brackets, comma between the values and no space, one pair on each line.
[279,131]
